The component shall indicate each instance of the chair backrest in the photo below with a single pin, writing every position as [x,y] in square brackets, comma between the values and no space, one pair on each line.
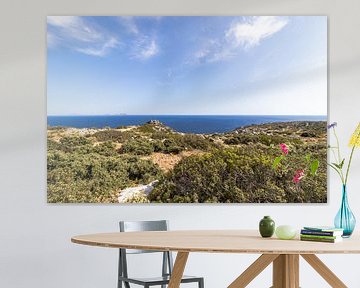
[134,226]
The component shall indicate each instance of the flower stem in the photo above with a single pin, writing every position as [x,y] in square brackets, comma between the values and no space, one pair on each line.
[334,154]
[338,146]
[339,155]
[348,167]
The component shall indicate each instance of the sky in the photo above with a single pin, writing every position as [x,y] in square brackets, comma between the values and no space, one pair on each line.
[147,65]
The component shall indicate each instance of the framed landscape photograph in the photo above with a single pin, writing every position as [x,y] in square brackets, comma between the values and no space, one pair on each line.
[205,109]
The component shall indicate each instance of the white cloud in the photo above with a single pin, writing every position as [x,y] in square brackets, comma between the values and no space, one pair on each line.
[129,23]
[246,33]
[75,27]
[251,32]
[222,54]
[149,51]
[144,45]
[207,50]
[100,51]
[80,35]
[211,51]
[145,48]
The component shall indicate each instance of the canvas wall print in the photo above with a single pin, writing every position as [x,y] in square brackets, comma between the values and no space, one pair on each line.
[163,109]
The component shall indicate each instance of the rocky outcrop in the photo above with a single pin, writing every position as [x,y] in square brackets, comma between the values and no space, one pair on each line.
[136,194]
[155,122]
[159,126]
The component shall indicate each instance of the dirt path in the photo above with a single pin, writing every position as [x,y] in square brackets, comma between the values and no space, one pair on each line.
[167,162]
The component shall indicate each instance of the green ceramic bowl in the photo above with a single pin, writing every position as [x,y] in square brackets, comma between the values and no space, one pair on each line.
[285,232]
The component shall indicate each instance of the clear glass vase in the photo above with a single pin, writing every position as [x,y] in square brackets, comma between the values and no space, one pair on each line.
[345,219]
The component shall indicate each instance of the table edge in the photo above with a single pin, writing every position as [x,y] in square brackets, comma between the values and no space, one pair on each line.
[203,250]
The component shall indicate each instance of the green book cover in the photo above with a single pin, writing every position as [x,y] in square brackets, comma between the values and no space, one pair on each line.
[321,240]
[319,236]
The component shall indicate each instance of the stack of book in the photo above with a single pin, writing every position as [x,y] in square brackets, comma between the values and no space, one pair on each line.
[321,234]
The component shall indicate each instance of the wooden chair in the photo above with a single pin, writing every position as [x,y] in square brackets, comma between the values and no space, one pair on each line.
[167,263]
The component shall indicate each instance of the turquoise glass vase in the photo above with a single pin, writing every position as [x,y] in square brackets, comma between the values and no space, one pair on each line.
[345,219]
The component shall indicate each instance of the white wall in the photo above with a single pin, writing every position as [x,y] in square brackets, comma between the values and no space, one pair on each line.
[35,248]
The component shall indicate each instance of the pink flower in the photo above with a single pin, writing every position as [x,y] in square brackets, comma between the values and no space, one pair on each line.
[284,148]
[298,176]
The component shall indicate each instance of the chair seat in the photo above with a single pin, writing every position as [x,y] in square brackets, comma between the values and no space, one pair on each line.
[158,280]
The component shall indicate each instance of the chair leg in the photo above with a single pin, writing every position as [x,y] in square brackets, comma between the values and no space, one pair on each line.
[165,266]
[126,284]
[201,283]
[119,270]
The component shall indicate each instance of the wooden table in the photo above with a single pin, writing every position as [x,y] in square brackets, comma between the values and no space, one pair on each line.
[284,254]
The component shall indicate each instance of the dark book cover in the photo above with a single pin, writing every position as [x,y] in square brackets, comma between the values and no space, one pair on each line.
[320,233]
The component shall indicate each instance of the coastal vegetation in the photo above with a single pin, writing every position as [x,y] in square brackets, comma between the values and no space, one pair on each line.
[96,165]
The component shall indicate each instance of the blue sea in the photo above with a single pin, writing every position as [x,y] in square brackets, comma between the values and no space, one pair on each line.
[182,123]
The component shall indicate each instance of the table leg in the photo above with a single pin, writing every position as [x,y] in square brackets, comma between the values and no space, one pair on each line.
[178,269]
[253,270]
[324,271]
[286,271]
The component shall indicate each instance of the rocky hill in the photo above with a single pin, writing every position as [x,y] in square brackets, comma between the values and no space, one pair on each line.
[93,165]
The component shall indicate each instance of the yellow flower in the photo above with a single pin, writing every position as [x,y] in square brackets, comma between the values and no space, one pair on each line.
[355,138]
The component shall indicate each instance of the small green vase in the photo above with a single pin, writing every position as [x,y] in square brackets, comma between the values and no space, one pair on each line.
[267,227]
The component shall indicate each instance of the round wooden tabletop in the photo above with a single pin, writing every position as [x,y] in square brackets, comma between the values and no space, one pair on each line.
[220,241]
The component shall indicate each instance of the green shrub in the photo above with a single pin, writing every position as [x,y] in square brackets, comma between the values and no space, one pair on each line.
[105,149]
[73,141]
[94,178]
[237,175]
[146,128]
[53,145]
[142,171]
[158,146]
[79,172]
[137,147]
[194,141]
[171,146]
[173,143]
[250,139]
[260,138]
[71,144]
[112,135]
